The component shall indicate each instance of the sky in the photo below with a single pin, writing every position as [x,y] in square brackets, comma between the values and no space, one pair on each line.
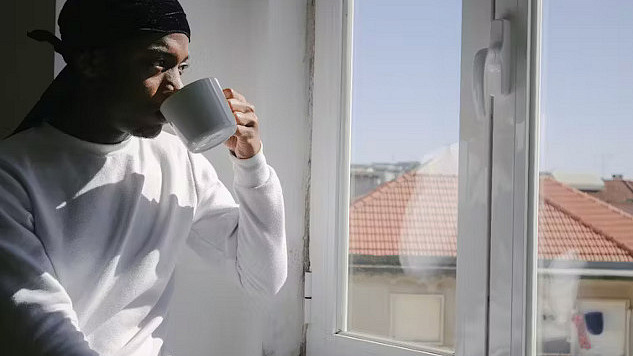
[405,101]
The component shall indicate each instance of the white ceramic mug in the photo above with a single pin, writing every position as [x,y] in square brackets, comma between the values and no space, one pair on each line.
[200,115]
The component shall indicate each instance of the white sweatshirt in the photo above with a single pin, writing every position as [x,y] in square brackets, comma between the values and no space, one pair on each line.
[89,236]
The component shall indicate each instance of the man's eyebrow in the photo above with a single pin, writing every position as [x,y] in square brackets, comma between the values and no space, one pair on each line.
[164,52]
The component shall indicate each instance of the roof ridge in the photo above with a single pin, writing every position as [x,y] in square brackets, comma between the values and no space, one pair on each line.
[378,190]
[584,222]
[628,185]
[596,200]
[591,227]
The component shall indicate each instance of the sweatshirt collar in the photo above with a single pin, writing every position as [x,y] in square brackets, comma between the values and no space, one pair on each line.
[96,148]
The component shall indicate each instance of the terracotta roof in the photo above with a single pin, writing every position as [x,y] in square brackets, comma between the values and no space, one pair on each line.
[617,192]
[416,215]
[605,219]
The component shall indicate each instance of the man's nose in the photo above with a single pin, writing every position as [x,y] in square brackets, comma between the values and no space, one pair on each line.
[174,81]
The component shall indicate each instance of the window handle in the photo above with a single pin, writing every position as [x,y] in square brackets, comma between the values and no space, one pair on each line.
[491,68]
[481,104]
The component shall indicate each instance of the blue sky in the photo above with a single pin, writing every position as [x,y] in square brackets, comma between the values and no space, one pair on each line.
[406,82]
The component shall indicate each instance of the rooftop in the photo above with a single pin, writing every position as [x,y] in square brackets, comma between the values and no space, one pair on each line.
[617,192]
[416,215]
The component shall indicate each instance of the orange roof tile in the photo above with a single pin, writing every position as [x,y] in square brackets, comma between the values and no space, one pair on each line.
[416,214]
[605,219]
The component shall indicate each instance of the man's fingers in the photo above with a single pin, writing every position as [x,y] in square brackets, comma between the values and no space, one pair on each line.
[244,132]
[231,142]
[232,94]
[246,119]
[242,106]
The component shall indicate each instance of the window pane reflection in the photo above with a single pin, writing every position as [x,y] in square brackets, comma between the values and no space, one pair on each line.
[585,229]
[403,213]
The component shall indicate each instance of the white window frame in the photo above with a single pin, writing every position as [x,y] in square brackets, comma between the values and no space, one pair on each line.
[497,158]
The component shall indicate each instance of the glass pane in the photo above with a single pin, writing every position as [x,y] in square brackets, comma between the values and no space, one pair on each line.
[585,221]
[405,129]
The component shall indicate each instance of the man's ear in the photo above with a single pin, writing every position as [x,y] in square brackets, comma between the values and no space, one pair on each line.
[91,63]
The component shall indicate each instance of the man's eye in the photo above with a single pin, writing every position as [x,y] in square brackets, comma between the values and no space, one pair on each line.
[159,64]
[183,67]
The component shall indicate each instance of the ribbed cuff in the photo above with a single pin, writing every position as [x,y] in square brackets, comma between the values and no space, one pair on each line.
[251,172]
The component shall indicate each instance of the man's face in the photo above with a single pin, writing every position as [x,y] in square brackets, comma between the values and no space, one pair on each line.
[144,73]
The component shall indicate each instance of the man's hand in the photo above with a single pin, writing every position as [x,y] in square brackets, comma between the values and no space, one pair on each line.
[246,141]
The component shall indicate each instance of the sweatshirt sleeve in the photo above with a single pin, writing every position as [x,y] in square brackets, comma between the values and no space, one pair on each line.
[249,238]
[36,313]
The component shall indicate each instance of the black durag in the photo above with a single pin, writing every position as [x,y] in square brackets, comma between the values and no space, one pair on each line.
[86,24]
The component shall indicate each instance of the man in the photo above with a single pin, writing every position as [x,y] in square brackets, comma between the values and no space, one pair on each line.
[96,201]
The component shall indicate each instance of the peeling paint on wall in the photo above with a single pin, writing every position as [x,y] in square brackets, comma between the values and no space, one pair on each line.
[310,49]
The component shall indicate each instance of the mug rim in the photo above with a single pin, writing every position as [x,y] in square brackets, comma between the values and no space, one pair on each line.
[192,84]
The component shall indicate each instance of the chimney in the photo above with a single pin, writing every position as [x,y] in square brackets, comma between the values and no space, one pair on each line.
[617,176]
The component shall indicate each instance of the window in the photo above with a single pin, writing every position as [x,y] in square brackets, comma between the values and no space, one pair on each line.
[585,220]
[403,171]
[386,176]
[540,263]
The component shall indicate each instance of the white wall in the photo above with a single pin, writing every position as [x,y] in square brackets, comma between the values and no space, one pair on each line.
[257,47]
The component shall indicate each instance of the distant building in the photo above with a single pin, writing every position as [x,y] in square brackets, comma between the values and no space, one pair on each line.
[403,253]
[585,182]
[366,177]
[617,192]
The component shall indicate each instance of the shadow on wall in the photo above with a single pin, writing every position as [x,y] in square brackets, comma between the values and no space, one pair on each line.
[31,62]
